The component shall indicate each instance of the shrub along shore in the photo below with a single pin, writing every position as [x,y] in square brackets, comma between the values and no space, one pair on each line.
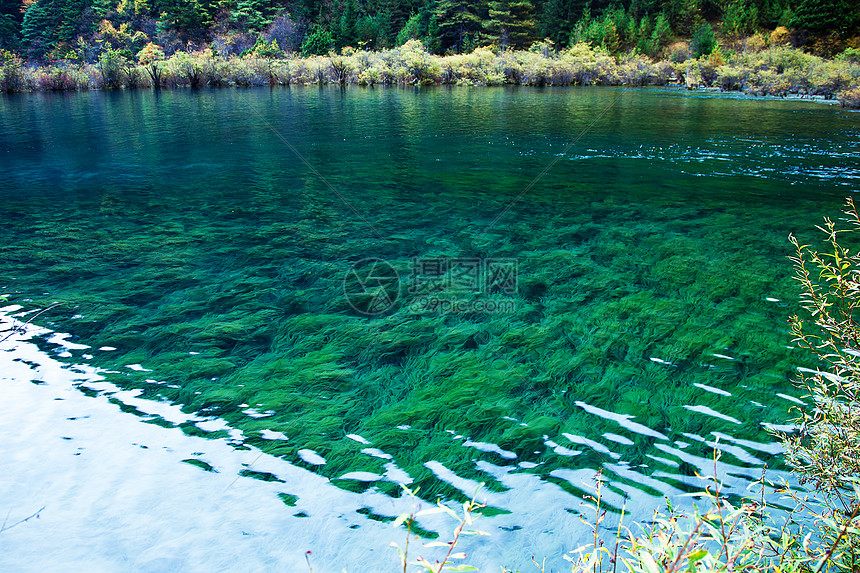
[754,68]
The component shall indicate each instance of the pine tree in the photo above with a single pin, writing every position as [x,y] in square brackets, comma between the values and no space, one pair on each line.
[558,18]
[394,14]
[824,16]
[318,42]
[48,23]
[555,22]
[191,18]
[511,23]
[773,13]
[459,23]
[410,31]
[345,26]
[500,23]
[10,24]
[252,15]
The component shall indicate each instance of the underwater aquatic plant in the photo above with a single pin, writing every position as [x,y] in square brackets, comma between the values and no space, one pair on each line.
[819,533]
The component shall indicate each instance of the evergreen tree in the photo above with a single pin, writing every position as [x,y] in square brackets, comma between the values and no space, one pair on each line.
[500,22]
[570,12]
[740,18]
[190,18]
[555,22]
[824,16]
[460,23]
[410,31]
[422,26]
[396,15]
[48,23]
[36,28]
[373,31]
[773,13]
[511,23]
[703,41]
[252,15]
[524,31]
[662,31]
[344,31]
[685,16]
[318,42]
[10,24]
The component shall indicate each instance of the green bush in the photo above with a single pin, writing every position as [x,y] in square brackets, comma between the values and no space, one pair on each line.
[636,70]
[62,78]
[829,78]
[189,68]
[850,55]
[678,52]
[269,50]
[850,98]
[318,42]
[112,67]
[13,74]
[826,451]
[703,41]
[731,78]
[774,71]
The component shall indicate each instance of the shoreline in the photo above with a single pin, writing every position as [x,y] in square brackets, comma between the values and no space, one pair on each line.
[671,89]
[778,72]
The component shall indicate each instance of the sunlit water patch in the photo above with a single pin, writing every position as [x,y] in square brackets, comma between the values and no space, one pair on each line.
[82,462]
[199,269]
[112,493]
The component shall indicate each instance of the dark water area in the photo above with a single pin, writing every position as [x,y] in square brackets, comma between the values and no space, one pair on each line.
[630,304]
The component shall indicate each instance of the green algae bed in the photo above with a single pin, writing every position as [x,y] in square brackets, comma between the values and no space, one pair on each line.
[652,287]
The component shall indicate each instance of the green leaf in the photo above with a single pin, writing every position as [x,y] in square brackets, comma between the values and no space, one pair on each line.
[461,568]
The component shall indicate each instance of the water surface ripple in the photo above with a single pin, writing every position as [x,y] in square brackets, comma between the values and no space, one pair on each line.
[198,267]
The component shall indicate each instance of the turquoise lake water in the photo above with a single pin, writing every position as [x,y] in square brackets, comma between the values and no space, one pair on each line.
[620,312]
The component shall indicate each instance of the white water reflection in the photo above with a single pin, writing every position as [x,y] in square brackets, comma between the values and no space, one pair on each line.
[708,411]
[117,495]
[814,160]
[624,420]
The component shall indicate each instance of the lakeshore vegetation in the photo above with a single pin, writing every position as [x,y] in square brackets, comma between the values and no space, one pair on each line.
[764,47]
[770,71]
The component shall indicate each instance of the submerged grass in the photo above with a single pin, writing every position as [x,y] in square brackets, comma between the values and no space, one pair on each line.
[577,338]
[220,270]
